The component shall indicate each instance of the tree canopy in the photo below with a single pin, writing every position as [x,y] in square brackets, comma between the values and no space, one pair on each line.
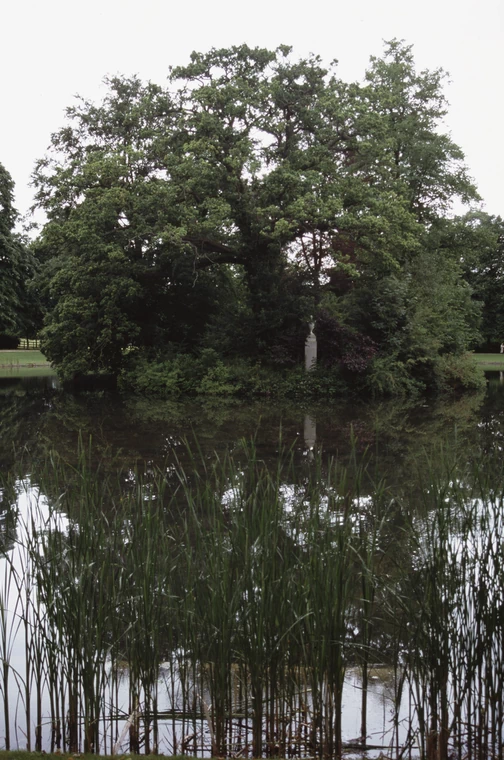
[253,191]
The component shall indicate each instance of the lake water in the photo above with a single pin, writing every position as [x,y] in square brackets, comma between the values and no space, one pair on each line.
[37,416]
[399,442]
[397,438]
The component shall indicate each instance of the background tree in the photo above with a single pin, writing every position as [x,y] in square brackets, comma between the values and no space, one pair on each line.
[477,239]
[16,266]
[406,149]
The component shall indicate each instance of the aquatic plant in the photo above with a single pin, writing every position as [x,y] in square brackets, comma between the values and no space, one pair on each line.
[221,615]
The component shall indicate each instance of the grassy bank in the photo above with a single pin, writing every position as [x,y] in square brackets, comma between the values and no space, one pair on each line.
[489,362]
[22,358]
[18,754]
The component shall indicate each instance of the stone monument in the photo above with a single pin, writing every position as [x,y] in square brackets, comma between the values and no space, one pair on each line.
[311,349]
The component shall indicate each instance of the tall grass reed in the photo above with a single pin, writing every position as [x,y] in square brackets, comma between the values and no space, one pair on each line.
[220,615]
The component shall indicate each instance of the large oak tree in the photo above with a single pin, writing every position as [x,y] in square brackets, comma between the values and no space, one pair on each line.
[253,186]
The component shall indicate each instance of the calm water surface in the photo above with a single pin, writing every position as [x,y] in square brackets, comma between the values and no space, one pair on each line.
[37,417]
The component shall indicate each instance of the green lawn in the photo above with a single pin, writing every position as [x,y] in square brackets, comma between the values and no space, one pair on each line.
[35,370]
[22,359]
[33,358]
[489,362]
[17,754]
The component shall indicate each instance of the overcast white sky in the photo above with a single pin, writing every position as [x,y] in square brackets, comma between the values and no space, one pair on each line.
[52,49]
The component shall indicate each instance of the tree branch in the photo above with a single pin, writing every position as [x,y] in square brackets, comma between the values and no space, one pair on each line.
[211,252]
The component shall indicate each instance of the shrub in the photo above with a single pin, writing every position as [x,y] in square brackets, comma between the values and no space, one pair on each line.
[458,373]
[389,376]
[218,381]
[207,374]
[343,346]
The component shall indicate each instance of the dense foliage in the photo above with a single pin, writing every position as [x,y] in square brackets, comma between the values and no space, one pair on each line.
[255,191]
[16,267]
[479,238]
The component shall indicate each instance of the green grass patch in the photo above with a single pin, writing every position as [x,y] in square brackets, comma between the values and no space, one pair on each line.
[22,358]
[19,754]
[489,362]
[36,370]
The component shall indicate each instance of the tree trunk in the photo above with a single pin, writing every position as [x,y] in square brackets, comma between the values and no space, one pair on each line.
[264,270]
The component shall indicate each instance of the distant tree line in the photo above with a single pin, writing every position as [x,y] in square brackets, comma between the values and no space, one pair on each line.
[217,215]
